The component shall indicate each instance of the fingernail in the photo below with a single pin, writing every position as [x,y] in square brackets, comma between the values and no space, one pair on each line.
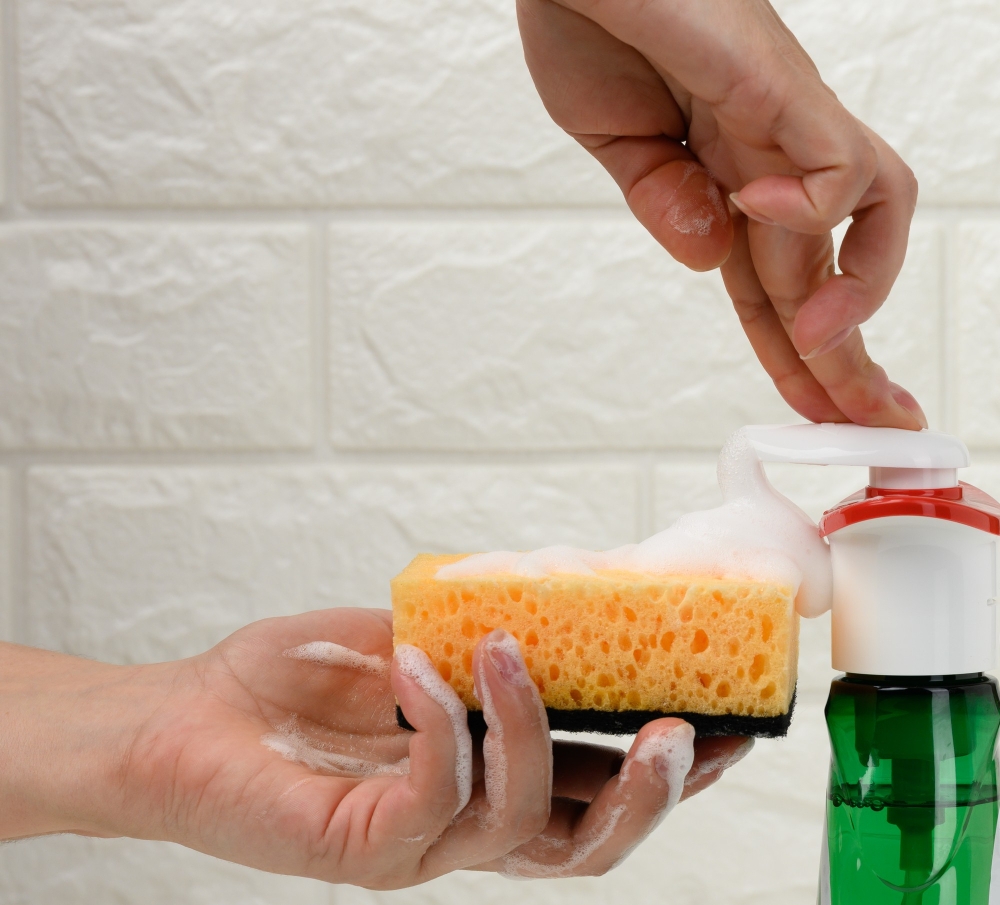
[906,400]
[749,211]
[505,655]
[829,345]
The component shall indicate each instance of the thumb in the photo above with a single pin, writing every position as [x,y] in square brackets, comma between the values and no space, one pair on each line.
[673,196]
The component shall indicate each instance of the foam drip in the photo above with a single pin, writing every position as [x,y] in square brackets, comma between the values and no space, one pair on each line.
[755,535]
[288,741]
[415,664]
[327,653]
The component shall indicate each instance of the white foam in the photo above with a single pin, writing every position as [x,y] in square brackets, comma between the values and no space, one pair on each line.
[415,664]
[328,653]
[756,535]
[721,762]
[494,750]
[519,866]
[288,741]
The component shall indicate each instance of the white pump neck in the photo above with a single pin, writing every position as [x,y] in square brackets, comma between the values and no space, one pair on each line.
[912,478]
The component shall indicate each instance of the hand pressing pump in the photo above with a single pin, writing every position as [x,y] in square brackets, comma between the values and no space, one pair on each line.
[913,722]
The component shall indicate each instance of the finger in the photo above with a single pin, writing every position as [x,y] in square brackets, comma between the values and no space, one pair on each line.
[769,338]
[672,195]
[418,807]
[581,770]
[713,756]
[517,751]
[622,111]
[871,258]
[839,162]
[585,840]
[862,390]
[793,268]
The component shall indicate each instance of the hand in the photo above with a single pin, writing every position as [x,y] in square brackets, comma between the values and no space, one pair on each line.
[681,98]
[283,754]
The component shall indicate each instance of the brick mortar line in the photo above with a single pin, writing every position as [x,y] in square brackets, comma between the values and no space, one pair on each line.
[20,213]
[17,549]
[639,459]
[16,212]
[10,111]
[645,460]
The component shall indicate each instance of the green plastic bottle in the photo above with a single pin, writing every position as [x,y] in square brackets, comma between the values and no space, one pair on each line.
[913,722]
[912,804]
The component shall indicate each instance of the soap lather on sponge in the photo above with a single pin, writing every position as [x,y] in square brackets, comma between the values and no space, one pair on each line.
[699,621]
[624,644]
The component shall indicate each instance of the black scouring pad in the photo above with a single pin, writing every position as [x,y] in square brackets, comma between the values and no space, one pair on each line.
[629,722]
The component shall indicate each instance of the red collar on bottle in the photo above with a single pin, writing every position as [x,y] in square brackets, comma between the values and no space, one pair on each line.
[965,504]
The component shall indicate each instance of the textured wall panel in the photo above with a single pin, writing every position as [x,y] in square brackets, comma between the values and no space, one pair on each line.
[141,564]
[169,336]
[154,102]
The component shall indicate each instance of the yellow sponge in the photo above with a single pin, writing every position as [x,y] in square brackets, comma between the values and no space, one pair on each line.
[615,641]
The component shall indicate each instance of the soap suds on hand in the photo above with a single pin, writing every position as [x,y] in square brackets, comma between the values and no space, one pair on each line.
[520,867]
[328,653]
[414,663]
[721,762]
[292,744]
[671,754]
[755,535]
[494,750]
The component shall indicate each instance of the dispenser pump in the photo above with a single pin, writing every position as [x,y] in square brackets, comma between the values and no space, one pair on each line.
[912,802]
[913,554]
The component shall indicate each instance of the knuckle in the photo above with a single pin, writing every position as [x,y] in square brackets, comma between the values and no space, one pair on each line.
[536,823]
[867,159]
[910,185]
[527,828]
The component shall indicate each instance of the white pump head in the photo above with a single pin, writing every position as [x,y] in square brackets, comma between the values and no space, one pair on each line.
[913,555]
[897,459]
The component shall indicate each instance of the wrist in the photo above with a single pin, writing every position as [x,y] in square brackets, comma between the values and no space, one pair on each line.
[66,727]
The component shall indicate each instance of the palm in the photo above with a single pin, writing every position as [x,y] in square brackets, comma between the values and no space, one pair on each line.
[244,801]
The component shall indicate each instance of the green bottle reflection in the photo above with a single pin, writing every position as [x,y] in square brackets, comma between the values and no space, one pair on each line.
[912,805]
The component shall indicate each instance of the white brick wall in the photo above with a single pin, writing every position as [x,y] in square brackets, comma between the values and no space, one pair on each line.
[978,315]
[309,103]
[922,75]
[6,538]
[140,336]
[144,564]
[295,290]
